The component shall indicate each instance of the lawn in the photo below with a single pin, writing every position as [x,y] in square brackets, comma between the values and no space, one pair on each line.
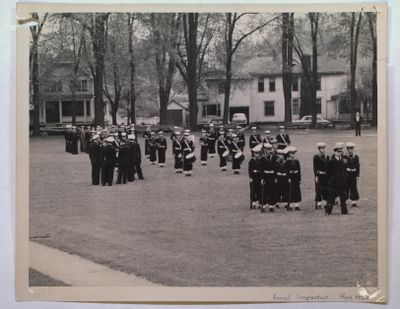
[199,230]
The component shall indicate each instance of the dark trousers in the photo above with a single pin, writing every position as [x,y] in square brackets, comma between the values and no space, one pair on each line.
[187,166]
[222,160]
[333,194]
[161,155]
[255,189]
[235,164]
[138,170]
[108,174]
[96,168]
[353,191]
[131,171]
[153,154]
[282,190]
[203,153]
[321,189]
[122,173]
[146,147]
[358,129]
[211,147]
[178,161]
[267,195]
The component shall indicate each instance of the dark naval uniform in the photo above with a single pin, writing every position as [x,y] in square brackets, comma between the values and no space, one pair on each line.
[222,147]
[282,181]
[353,172]
[135,161]
[267,169]
[123,163]
[95,152]
[204,143]
[177,152]
[337,181]
[146,136]
[283,140]
[234,149]
[109,161]
[255,181]
[242,141]
[152,146]
[161,148]
[254,140]
[320,165]
[295,177]
[187,147]
[211,136]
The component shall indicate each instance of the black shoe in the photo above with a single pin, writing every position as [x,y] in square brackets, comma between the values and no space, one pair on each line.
[271,210]
[297,208]
[262,209]
[277,206]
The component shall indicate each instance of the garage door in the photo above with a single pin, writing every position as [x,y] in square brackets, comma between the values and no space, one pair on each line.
[239,109]
[175,117]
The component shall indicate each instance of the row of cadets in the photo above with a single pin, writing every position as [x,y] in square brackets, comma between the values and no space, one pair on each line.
[72,136]
[177,152]
[236,154]
[320,167]
[204,147]
[187,148]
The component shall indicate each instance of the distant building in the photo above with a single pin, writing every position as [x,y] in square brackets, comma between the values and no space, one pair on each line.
[257,91]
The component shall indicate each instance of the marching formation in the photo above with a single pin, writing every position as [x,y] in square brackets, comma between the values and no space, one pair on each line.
[273,169]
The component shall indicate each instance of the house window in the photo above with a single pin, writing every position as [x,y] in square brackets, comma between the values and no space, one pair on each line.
[269,108]
[296,106]
[221,88]
[318,108]
[81,85]
[87,108]
[54,86]
[319,83]
[211,110]
[271,84]
[261,84]
[295,84]
[67,108]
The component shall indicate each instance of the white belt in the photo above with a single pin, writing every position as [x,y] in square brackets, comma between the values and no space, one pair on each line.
[351,169]
[293,172]
[321,173]
[281,174]
[268,172]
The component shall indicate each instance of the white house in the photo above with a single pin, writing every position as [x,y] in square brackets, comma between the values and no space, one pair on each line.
[257,91]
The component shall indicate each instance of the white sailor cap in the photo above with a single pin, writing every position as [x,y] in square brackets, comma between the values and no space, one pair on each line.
[291,149]
[177,133]
[267,132]
[257,148]
[267,145]
[338,146]
[131,136]
[203,131]
[110,139]
[186,133]
[254,128]
[116,134]
[152,133]
[211,124]
[238,127]
[176,128]
[281,151]
[161,132]
[234,135]
[281,127]
[273,141]
[123,134]
[230,130]
[94,137]
[350,145]
[321,145]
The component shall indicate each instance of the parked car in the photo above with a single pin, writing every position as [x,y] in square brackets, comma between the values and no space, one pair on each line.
[305,122]
[239,118]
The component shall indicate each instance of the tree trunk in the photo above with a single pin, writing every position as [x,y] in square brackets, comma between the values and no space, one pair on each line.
[227,86]
[374,71]
[114,116]
[73,101]
[192,69]
[164,97]
[354,34]
[132,95]
[287,57]
[314,76]
[35,87]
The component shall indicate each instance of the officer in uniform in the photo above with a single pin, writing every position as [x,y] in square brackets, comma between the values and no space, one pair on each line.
[109,161]
[204,147]
[95,152]
[187,147]
[254,139]
[222,147]
[242,140]
[295,179]
[212,138]
[267,170]
[320,166]
[87,137]
[123,161]
[173,134]
[67,137]
[147,136]
[152,147]
[358,119]
[337,180]
[177,152]
[267,138]
[353,173]
[282,138]
[255,177]
[282,178]
[135,158]
[162,148]
[234,149]
[74,140]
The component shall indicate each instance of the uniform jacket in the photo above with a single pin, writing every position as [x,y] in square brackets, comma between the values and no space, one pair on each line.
[109,153]
[320,164]
[283,138]
[353,165]
[95,153]
[254,140]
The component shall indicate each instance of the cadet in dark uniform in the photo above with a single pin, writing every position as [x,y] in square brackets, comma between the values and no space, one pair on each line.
[223,150]
[87,137]
[147,136]
[123,162]
[320,165]
[177,152]
[161,148]
[295,179]
[212,138]
[152,146]
[135,158]
[172,137]
[95,152]
[204,147]
[255,177]
[235,150]
[282,138]
[337,180]
[282,178]
[109,154]
[254,139]
[267,168]
[67,137]
[74,140]
[353,174]
[242,140]
[187,147]
[267,138]
[358,119]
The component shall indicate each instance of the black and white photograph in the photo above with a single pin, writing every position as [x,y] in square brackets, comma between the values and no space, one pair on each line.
[208,147]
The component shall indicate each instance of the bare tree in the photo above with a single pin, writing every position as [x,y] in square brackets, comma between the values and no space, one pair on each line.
[372,31]
[34,68]
[354,36]
[287,61]
[231,45]
[132,67]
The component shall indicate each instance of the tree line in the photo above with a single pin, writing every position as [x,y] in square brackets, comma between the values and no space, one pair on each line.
[139,60]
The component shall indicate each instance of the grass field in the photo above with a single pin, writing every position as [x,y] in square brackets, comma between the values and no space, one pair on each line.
[199,230]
